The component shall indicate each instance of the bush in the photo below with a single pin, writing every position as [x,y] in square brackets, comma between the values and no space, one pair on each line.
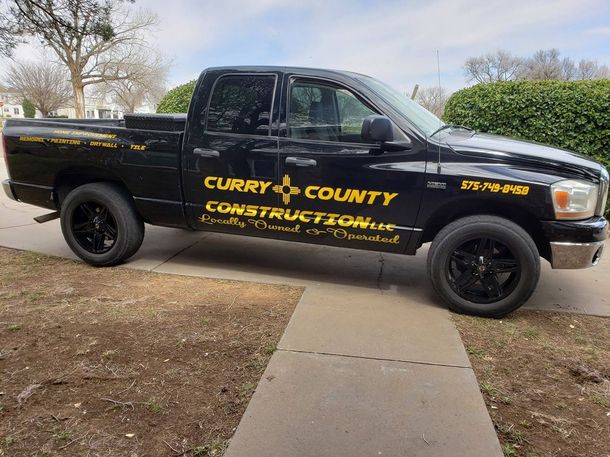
[574,115]
[177,100]
[29,111]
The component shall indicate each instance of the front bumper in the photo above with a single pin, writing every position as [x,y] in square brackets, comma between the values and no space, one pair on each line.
[566,255]
[8,189]
[576,244]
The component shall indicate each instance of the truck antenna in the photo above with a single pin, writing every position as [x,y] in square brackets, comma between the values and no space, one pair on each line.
[438,69]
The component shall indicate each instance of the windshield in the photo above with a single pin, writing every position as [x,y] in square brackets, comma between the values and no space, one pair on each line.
[423,119]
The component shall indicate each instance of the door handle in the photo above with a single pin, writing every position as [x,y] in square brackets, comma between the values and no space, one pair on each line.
[206,152]
[300,162]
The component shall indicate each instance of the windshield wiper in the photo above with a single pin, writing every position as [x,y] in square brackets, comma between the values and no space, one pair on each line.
[450,126]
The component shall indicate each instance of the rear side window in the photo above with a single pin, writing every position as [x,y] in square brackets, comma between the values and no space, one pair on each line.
[241,104]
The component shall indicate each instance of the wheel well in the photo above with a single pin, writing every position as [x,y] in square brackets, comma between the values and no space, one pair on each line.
[517,214]
[69,179]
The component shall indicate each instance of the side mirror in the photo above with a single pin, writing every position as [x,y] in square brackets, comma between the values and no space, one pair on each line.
[376,129]
[379,129]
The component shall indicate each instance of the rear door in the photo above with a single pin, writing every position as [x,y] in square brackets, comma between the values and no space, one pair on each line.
[347,192]
[230,153]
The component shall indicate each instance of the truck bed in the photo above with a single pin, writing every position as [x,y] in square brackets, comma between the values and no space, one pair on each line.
[47,157]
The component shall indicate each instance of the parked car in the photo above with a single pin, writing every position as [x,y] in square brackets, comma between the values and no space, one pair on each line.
[319,156]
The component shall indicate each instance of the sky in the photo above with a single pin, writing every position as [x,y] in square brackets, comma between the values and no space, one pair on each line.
[396,41]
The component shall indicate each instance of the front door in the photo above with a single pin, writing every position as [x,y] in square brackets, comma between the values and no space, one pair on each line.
[230,155]
[344,190]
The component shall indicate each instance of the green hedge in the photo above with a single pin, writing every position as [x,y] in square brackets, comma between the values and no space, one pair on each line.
[177,100]
[574,115]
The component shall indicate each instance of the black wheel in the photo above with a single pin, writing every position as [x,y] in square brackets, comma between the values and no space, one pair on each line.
[100,224]
[484,265]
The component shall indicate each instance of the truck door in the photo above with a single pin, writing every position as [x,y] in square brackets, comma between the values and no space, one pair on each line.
[346,191]
[230,152]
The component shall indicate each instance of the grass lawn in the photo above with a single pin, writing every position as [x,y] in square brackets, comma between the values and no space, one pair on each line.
[117,362]
[545,378]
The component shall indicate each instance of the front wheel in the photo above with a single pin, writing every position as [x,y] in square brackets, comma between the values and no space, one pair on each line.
[484,265]
[100,224]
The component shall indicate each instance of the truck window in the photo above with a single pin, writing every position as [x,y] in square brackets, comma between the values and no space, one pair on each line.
[241,104]
[325,113]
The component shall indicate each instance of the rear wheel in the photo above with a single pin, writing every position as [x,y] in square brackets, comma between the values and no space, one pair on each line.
[484,265]
[100,224]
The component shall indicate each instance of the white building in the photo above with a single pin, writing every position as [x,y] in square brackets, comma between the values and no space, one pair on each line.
[10,104]
[102,109]
[95,107]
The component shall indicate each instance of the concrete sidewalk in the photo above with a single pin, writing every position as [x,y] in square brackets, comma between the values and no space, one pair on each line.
[370,362]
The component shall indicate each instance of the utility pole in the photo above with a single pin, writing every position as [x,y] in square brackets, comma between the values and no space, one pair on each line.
[415,89]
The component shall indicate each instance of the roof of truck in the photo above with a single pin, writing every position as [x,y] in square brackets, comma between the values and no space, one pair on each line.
[284,69]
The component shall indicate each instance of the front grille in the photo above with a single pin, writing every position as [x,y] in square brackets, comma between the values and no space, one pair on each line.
[603,193]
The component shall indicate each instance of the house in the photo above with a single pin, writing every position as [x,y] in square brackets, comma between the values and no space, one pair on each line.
[102,108]
[96,107]
[10,103]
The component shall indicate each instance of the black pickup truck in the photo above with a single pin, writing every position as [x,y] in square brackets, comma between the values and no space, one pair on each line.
[319,156]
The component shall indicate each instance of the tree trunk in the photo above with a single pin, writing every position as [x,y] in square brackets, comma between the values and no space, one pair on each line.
[79,97]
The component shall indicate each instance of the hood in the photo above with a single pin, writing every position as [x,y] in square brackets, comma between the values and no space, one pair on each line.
[506,149]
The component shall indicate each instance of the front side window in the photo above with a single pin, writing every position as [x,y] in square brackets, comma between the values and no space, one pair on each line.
[326,113]
[241,104]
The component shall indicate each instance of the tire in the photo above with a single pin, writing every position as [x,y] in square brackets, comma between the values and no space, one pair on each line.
[484,265]
[101,211]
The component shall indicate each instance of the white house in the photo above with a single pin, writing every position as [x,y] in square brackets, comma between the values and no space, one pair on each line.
[95,107]
[100,108]
[10,104]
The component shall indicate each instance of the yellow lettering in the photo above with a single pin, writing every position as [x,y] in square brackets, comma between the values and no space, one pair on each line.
[319,216]
[325,193]
[346,220]
[309,191]
[373,194]
[264,185]
[331,219]
[251,186]
[237,185]
[387,197]
[276,213]
[303,217]
[357,196]
[208,181]
[344,197]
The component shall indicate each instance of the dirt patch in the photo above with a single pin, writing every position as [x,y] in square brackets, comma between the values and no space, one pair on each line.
[117,362]
[545,378]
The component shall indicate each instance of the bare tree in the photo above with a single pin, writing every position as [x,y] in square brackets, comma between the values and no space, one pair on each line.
[590,69]
[8,38]
[45,84]
[546,64]
[148,83]
[93,39]
[492,67]
[568,69]
[433,99]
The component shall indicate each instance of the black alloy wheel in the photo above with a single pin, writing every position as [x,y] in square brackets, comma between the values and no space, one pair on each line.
[484,265]
[101,224]
[483,270]
[94,227]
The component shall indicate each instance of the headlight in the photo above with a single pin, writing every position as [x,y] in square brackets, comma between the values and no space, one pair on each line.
[574,199]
